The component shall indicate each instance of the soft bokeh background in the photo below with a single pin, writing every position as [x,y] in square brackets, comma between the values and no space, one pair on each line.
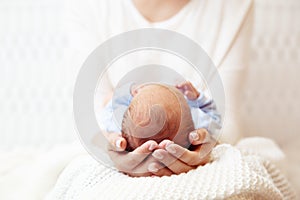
[36,82]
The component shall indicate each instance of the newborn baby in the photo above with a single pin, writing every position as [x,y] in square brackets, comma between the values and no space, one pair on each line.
[157,112]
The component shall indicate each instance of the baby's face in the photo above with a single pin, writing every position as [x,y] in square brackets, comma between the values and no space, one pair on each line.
[157,112]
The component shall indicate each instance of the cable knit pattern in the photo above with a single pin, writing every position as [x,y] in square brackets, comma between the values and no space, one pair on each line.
[230,175]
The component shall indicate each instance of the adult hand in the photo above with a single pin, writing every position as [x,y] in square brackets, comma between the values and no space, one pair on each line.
[179,159]
[138,162]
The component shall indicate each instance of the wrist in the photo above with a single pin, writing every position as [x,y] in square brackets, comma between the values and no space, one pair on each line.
[197,102]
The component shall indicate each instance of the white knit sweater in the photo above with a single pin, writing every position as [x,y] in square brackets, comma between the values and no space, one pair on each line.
[231,175]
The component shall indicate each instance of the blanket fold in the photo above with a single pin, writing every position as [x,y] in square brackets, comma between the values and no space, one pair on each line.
[232,174]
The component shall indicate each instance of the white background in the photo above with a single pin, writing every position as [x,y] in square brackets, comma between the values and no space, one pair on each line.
[36,82]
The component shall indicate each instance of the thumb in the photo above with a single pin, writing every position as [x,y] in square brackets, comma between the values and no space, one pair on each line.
[116,142]
[199,136]
[189,95]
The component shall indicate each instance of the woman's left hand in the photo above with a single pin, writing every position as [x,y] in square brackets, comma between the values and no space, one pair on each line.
[179,159]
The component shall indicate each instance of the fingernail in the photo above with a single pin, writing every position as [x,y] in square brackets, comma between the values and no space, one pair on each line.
[158,155]
[152,146]
[152,168]
[194,136]
[118,144]
[170,148]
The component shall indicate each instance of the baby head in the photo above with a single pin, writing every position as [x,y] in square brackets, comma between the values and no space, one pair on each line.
[157,112]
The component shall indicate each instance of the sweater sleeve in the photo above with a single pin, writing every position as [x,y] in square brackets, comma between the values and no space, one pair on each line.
[233,70]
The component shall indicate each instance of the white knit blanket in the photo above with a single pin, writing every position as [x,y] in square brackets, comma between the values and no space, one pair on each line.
[232,174]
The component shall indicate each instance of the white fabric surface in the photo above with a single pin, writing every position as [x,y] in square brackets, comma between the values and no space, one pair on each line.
[29,174]
[230,175]
[68,172]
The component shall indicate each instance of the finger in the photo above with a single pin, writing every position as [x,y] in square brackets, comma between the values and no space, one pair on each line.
[184,85]
[164,143]
[187,85]
[127,161]
[190,86]
[150,167]
[171,162]
[146,148]
[186,156]
[136,174]
[180,86]
[141,169]
[181,89]
[200,136]
[189,94]
[159,170]
[205,150]
[116,142]
[192,158]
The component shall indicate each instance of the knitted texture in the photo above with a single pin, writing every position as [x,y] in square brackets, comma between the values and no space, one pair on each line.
[230,175]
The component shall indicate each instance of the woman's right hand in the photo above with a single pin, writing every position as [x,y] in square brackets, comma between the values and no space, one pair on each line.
[138,162]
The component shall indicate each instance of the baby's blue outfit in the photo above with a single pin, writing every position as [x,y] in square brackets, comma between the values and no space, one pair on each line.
[203,110]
